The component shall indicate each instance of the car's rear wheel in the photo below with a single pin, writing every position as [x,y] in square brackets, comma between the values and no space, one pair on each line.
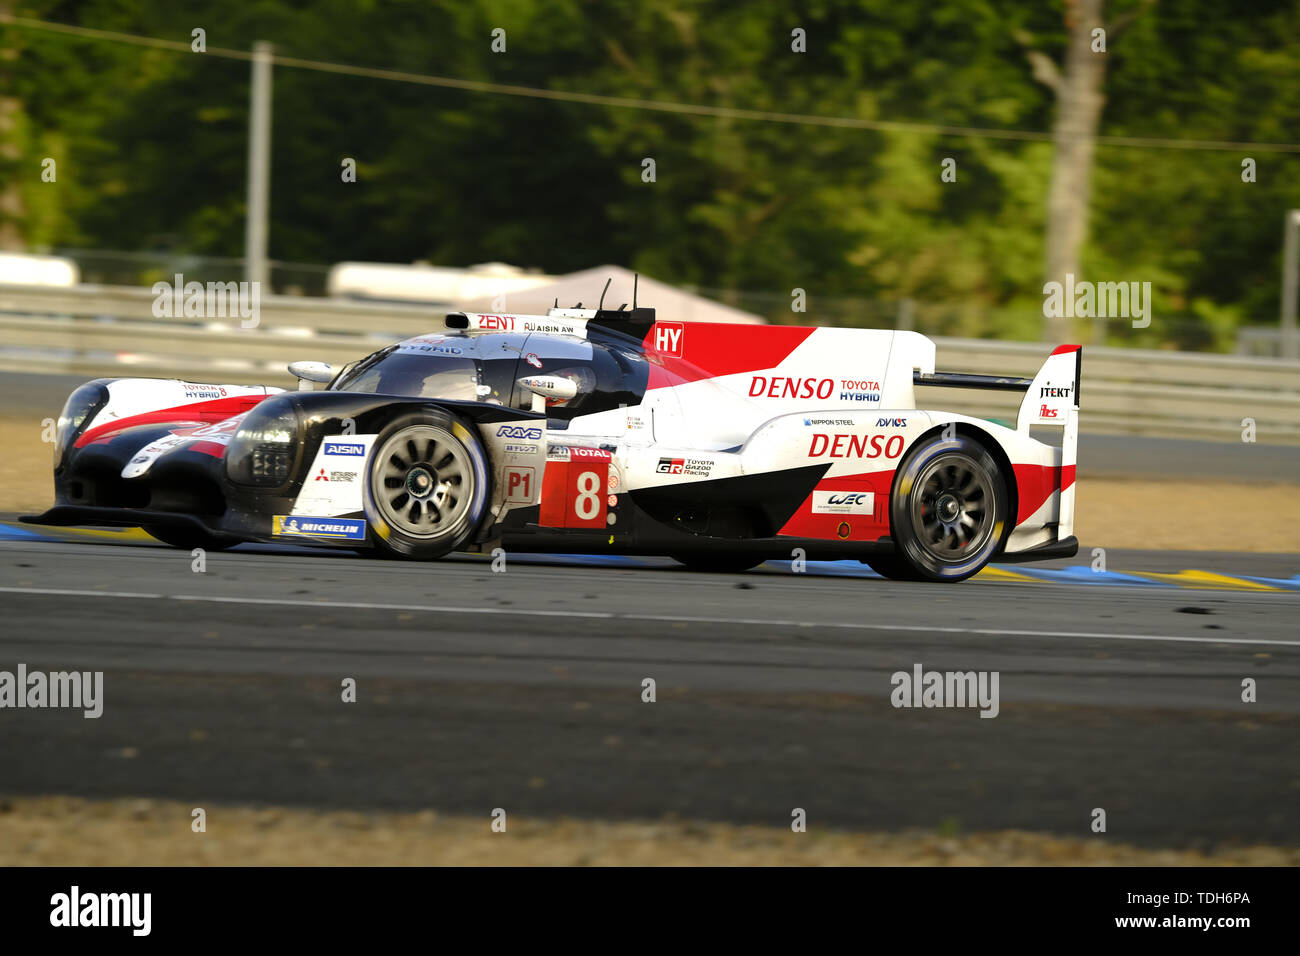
[718,563]
[948,512]
[427,485]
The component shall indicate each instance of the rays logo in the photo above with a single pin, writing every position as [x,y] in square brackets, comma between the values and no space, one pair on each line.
[517,431]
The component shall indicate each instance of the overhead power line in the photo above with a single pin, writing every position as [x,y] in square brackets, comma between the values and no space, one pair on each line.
[661,106]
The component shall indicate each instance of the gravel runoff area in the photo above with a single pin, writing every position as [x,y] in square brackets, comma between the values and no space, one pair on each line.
[62,831]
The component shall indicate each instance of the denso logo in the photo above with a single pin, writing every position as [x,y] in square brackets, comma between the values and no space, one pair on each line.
[517,431]
[855,446]
[344,448]
[761,386]
[891,422]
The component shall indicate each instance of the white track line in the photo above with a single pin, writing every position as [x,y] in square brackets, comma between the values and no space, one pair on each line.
[665,618]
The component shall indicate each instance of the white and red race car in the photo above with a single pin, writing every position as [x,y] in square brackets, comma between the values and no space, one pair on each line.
[593,431]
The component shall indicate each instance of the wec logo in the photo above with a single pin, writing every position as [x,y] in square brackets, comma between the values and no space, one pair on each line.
[516,431]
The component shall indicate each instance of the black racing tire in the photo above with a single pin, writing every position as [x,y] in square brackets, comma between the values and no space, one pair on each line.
[948,512]
[187,539]
[427,485]
[723,563]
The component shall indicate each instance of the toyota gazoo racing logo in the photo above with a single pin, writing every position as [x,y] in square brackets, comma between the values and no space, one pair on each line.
[521,432]
[683,466]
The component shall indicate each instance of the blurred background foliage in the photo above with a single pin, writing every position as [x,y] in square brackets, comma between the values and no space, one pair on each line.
[151,148]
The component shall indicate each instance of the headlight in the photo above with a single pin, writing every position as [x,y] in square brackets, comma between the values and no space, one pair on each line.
[80,408]
[262,451]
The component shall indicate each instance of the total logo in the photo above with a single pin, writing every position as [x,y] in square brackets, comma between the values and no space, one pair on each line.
[855,446]
[520,432]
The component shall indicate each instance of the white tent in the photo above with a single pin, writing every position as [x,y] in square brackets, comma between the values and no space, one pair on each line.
[670,304]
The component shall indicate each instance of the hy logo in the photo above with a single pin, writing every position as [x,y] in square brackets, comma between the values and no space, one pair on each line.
[668,337]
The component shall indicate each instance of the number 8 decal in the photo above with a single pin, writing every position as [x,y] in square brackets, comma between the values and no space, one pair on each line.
[587,504]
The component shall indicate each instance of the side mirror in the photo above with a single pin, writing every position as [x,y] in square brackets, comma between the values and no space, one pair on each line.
[553,387]
[308,372]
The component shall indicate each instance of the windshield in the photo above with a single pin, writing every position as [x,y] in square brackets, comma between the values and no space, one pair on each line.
[416,376]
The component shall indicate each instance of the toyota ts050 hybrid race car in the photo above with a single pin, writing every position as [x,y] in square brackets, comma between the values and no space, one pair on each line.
[592,431]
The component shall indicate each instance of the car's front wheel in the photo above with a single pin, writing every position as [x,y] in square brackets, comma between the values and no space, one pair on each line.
[427,485]
[948,513]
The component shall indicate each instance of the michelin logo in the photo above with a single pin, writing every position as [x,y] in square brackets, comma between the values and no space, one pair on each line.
[301,526]
[344,448]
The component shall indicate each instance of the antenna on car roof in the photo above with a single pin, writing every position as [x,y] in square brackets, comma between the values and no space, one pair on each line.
[602,293]
[636,277]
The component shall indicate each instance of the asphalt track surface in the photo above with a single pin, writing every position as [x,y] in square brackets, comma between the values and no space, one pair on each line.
[523,689]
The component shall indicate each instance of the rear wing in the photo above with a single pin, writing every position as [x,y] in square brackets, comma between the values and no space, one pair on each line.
[1051,400]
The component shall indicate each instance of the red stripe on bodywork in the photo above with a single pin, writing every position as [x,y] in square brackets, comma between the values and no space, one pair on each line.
[711,349]
[805,524]
[1062,349]
[1035,484]
[199,413]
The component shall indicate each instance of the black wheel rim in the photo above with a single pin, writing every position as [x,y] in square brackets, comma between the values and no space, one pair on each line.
[953,508]
[422,481]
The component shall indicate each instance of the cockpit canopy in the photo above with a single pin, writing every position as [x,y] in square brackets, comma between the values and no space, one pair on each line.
[609,370]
